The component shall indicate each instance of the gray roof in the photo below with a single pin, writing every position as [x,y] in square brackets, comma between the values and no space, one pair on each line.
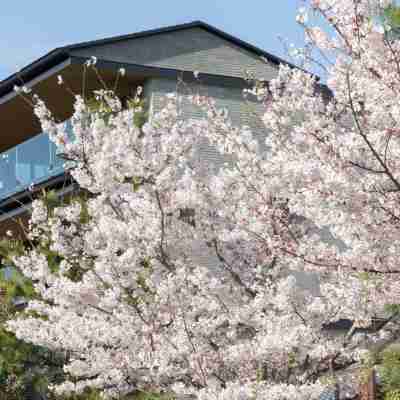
[61,54]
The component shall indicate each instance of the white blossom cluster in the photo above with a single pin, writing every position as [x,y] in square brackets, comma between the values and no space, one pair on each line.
[131,302]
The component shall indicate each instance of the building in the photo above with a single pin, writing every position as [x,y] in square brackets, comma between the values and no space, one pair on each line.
[155,59]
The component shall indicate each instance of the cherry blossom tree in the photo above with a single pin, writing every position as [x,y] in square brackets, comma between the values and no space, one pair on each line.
[129,300]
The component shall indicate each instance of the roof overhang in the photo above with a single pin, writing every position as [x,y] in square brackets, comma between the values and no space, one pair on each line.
[18,122]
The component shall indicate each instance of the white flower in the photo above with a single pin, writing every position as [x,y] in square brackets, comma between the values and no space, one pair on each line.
[60,80]
[91,62]
[302,16]
[319,37]
[177,270]
[301,19]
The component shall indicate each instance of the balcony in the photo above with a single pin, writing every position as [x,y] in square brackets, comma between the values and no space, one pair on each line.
[31,162]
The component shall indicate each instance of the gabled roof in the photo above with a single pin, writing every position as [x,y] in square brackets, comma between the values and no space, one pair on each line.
[60,54]
[195,24]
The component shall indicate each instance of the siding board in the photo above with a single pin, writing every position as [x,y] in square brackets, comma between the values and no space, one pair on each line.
[193,49]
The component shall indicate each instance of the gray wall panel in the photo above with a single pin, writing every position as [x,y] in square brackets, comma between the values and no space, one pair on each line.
[193,49]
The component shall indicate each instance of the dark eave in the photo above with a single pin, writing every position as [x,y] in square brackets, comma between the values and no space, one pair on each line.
[25,197]
[15,211]
[60,54]
[148,71]
[33,70]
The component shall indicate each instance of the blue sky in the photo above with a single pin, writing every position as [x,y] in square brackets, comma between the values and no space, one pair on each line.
[29,29]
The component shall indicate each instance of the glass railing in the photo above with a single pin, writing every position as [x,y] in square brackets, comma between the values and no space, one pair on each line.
[30,162]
